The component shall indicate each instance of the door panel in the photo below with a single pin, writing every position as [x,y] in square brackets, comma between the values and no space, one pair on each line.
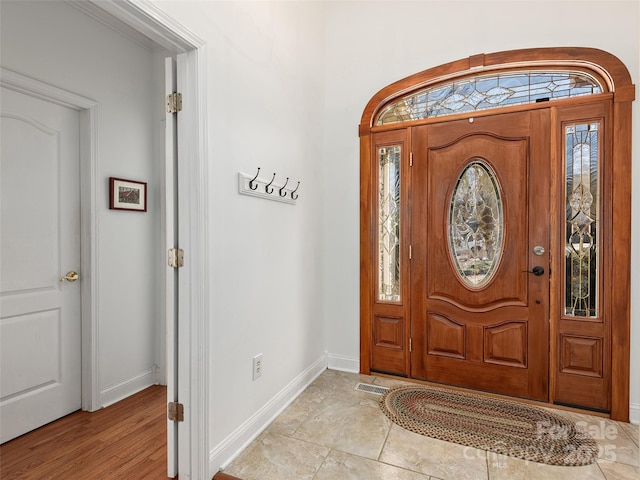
[445,337]
[40,376]
[506,344]
[509,158]
[480,203]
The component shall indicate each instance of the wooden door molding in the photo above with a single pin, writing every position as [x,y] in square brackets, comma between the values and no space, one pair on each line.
[618,92]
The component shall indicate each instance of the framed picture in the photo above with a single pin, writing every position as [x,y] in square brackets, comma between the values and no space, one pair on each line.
[127,195]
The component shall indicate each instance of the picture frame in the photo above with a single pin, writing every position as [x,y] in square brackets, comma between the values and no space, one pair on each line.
[127,195]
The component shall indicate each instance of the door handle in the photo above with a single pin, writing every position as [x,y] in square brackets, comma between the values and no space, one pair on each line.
[537,270]
[70,277]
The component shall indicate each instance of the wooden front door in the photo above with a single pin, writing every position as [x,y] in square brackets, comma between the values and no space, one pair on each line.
[494,250]
[480,217]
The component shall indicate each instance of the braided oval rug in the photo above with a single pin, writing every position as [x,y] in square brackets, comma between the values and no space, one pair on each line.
[496,425]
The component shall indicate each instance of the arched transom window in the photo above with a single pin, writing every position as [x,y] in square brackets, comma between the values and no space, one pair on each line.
[489,91]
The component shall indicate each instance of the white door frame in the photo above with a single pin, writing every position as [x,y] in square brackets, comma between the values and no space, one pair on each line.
[193,389]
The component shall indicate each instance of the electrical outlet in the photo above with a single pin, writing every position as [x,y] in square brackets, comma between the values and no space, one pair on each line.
[257,366]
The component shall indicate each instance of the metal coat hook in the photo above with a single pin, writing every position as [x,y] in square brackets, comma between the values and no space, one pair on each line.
[282,188]
[266,187]
[254,186]
[294,191]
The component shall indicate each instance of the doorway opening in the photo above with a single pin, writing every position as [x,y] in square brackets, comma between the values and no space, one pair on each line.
[150,25]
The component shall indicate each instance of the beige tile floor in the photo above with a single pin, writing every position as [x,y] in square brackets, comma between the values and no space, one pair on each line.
[333,432]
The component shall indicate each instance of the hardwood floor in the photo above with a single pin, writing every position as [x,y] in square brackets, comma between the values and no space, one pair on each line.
[126,440]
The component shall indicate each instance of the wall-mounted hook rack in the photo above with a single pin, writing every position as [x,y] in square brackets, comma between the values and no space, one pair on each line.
[271,190]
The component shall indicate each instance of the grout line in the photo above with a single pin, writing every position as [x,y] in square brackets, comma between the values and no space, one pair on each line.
[486,459]
[323,462]
[386,438]
[601,472]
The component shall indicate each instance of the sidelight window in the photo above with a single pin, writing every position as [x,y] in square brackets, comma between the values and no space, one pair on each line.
[389,223]
[582,167]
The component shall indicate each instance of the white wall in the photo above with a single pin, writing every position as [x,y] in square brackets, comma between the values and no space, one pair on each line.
[372,44]
[55,43]
[265,109]
[286,86]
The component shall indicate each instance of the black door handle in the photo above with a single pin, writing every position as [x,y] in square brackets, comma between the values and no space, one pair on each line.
[537,271]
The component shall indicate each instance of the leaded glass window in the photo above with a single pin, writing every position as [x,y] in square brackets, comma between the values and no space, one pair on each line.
[582,163]
[488,91]
[476,224]
[389,223]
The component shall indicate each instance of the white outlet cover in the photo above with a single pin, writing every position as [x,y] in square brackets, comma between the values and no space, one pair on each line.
[257,366]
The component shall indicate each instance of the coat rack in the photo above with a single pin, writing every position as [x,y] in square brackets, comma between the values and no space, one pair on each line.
[268,189]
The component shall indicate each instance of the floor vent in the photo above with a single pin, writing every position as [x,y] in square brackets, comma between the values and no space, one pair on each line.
[375,389]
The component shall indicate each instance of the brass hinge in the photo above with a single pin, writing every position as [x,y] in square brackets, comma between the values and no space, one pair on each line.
[175,412]
[410,345]
[411,159]
[410,252]
[174,103]
[176,257]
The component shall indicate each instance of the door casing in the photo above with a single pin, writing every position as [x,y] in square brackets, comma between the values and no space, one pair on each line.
[620,92]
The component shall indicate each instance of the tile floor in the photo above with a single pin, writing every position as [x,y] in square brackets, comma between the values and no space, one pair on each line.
[333,432]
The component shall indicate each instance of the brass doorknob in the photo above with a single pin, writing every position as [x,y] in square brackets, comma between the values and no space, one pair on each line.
[70,277]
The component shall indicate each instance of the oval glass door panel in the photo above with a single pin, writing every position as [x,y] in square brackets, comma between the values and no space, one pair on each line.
[476,224]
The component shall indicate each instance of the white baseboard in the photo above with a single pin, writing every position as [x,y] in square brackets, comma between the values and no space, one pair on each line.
[343,363]
[121,390]
[634,413]
[231,446]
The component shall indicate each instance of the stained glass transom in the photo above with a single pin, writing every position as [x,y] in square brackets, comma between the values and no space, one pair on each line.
[389,223]
[488,91]
[582,155]
[476,224]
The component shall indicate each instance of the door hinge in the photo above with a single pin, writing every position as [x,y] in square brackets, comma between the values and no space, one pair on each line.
[410,252]
[175,411]
[411,159]
[176,257]
[174,102]
[410,345]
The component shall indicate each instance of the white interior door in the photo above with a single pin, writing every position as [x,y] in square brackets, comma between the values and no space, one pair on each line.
[179,348]
[40,336]
[171,277]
